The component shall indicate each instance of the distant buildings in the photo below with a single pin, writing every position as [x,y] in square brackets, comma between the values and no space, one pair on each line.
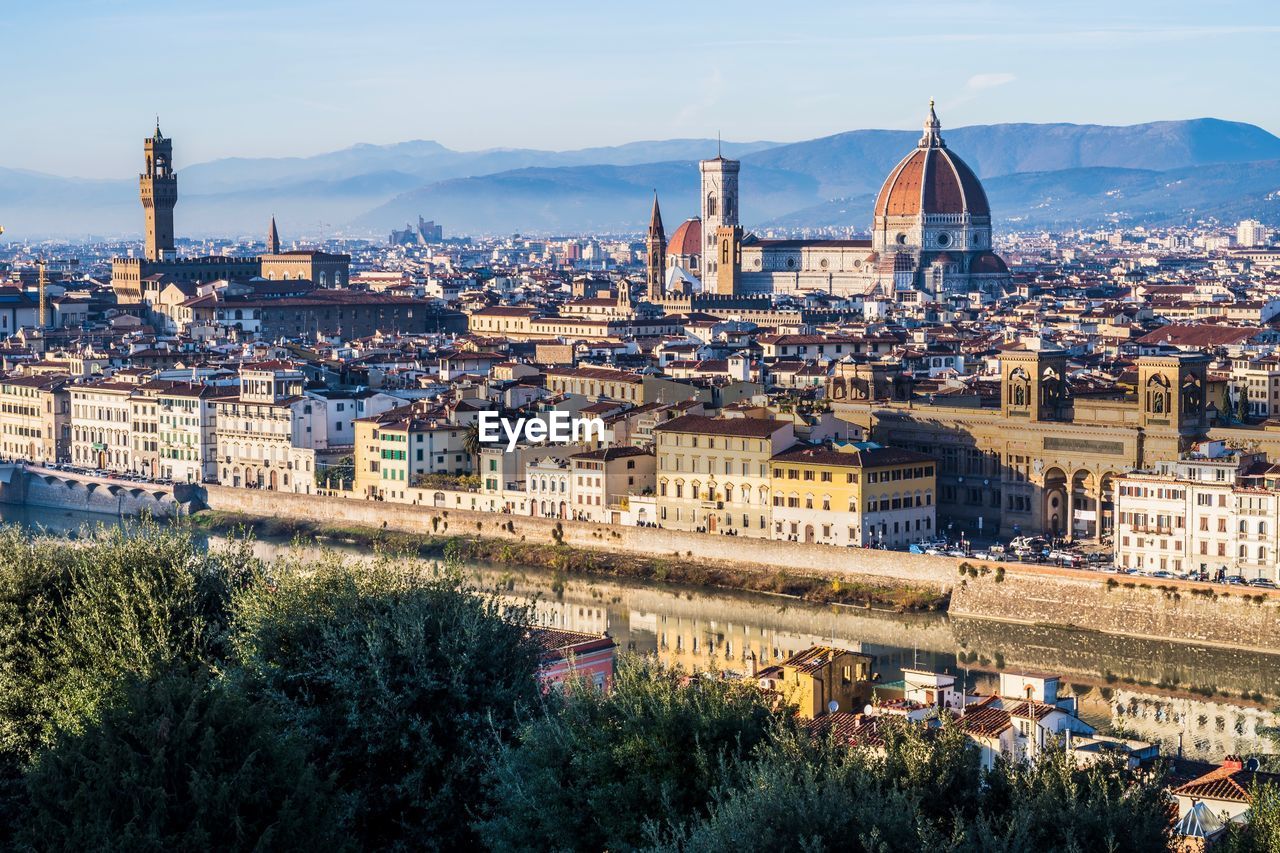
[1251,233]
[425,233]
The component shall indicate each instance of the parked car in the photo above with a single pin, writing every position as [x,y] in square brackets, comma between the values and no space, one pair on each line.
[1235,580]
[1264,583]
[1163,575]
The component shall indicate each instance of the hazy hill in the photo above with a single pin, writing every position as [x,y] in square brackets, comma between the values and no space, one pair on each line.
[1035,173]
[1229,191]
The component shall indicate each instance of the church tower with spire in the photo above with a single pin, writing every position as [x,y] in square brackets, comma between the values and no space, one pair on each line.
[158,186]
[655,246]
[273,239]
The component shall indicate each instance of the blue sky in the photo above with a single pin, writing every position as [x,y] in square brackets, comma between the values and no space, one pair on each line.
[81,80]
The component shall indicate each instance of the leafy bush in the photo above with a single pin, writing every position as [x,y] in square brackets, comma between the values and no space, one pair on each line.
[403,686]
[182,762]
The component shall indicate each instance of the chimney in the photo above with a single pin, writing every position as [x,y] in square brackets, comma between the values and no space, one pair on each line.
[751,664]
[1233,762]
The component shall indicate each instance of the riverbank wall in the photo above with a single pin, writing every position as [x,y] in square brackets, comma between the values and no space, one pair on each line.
[1186,612]
[47,488]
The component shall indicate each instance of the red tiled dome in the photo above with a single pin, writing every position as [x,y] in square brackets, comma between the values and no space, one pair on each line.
[988,263]
[687,240]
[930,180]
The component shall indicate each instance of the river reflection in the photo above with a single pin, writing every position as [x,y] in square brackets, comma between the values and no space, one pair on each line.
[1157,690]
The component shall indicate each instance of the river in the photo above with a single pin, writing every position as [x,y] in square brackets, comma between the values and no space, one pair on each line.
[1156,690]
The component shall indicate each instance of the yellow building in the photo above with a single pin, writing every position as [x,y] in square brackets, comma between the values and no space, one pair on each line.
[854,495]
[35,418]
[818,676]
[713,473]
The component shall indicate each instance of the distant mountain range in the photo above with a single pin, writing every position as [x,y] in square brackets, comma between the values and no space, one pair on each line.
[1035,174]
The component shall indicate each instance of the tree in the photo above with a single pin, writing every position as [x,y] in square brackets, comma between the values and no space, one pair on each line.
[404,686]
[1262,833]
[472,444]
[805,794]
[182,762]
[78,621]
[592,770]
[923,789]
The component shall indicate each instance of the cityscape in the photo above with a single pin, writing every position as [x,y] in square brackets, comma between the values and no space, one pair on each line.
[880,489]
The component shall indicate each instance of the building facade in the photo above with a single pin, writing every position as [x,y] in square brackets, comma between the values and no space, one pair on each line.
[100,425]
[713,474]
[35,418]
[267,434]
[1215,510]
[855,495]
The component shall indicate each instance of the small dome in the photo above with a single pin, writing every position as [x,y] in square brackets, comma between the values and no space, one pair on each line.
[688,238]
[988,263]
[931,180]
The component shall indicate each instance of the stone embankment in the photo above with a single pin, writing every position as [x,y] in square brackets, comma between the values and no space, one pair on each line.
[1214,615]
[32,485]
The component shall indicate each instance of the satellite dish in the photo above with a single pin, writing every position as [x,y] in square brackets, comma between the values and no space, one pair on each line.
[833,706]
[1252,765]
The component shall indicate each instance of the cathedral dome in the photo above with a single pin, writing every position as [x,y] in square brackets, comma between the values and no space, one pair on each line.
[687,240]
[931,180]
[988,263]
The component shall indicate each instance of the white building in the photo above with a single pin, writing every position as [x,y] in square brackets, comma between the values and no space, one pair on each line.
[547,484]
[269,433]
[100,427]
[1216,511]
[1250,233]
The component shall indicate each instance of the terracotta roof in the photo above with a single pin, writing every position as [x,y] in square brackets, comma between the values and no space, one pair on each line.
[703,425]
[875,457]
[813,659]
[988,263]
[687,239]
[931,180]
[986,721]
[1202,335]
[1229,783]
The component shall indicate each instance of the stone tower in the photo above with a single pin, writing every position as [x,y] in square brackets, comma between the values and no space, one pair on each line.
[158,186]
[1172,393]
[273,239]
[727,256]
[1033,385]
[655,246]
[719,207]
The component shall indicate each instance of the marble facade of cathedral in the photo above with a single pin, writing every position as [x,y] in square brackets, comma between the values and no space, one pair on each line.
[931,235]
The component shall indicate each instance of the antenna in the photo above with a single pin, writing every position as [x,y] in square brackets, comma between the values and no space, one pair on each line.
[718,154]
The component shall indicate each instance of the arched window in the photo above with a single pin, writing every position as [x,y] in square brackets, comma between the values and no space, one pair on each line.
[711,204]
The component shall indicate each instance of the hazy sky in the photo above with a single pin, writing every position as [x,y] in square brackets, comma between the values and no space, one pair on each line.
[81,80]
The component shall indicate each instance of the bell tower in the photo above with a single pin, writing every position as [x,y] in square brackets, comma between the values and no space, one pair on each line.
[655,246]
[158,186]
[719,207]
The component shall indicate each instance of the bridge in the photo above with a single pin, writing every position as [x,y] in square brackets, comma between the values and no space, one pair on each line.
[29,484]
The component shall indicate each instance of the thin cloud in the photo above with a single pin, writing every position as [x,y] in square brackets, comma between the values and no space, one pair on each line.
[988,81]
